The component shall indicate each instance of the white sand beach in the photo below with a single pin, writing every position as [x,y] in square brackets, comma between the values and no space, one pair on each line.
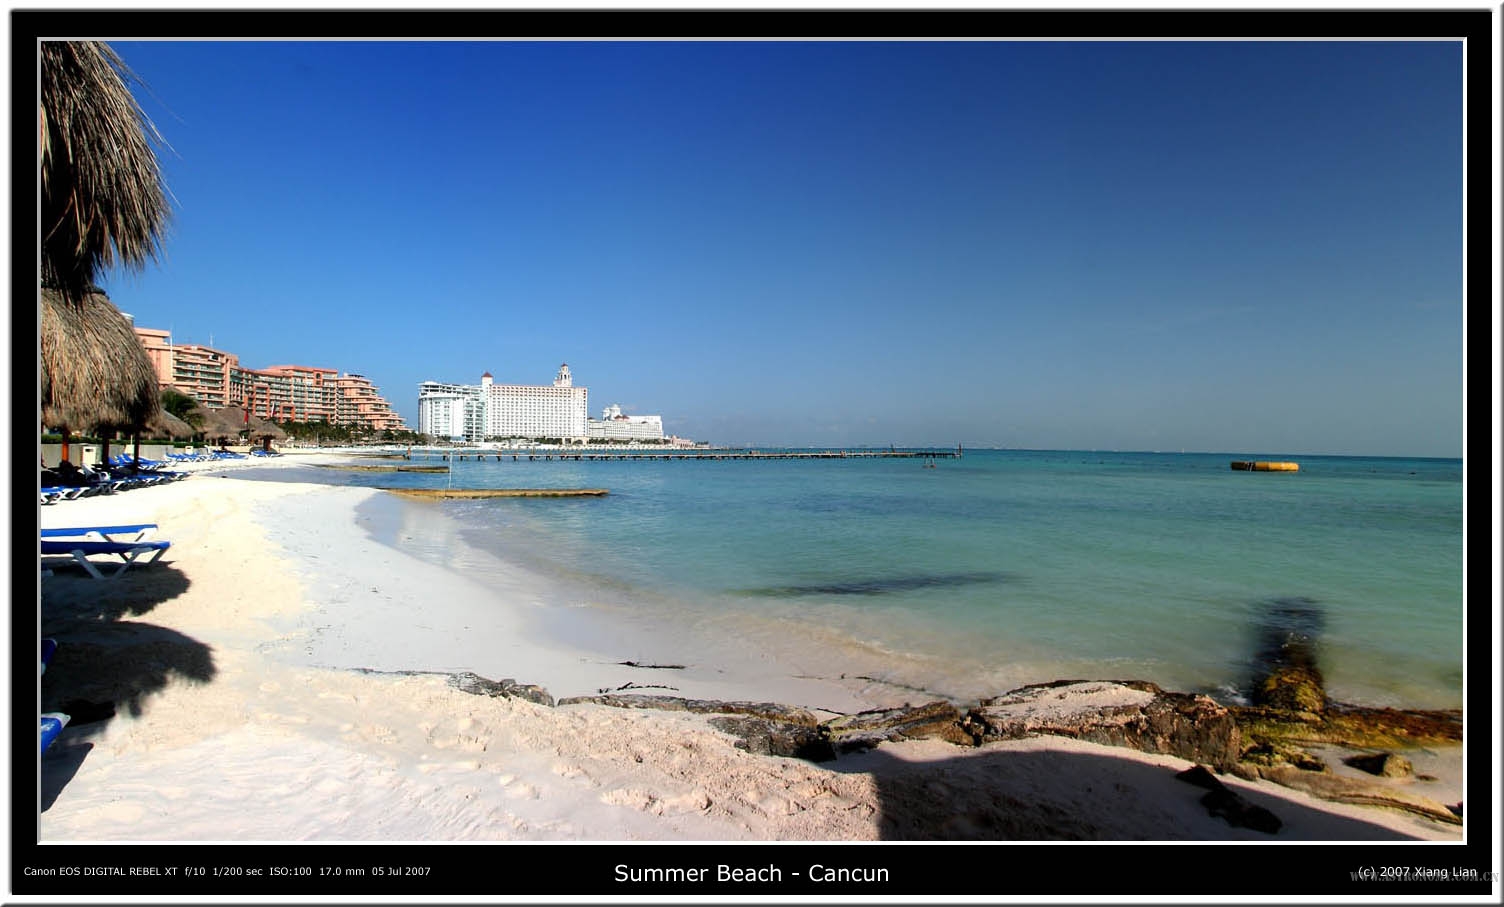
[277,677]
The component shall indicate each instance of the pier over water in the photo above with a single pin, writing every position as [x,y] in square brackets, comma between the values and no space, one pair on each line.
[679,454]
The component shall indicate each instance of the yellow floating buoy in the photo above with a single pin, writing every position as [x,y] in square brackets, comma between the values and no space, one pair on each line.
[1265,466]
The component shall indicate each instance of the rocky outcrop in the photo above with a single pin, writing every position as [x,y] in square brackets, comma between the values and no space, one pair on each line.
[765,737]
[1136,714]
[865,730]
[1264,753]
[1350,726]
[1385,765]
[770,711]
[477,685]
[1340,789]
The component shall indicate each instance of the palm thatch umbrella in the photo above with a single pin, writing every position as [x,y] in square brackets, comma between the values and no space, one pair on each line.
[103,198]
[94,370]
[171,426]
[265,431]
[224,424]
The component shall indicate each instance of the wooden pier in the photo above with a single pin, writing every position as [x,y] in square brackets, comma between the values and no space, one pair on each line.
[499,492]
[665,455]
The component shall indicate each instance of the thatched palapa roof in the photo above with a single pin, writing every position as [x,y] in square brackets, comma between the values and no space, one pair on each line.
[261,428]
[171,425]
[103,198]
[94,371]
[227,422]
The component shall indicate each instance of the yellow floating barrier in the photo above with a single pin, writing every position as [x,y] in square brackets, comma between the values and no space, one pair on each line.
[1265,466]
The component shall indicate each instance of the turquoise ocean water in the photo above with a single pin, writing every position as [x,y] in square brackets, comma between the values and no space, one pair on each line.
[998,568]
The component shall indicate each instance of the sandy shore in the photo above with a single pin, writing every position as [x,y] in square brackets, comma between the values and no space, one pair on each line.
[276,677]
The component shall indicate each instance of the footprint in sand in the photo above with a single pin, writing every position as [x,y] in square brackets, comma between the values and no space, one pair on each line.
[572,773]
[518,790]
[634,797]
[380,733]
[429,768]
[465,743]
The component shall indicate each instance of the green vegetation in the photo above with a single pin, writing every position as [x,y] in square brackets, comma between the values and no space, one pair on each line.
[183,406]
[325,432]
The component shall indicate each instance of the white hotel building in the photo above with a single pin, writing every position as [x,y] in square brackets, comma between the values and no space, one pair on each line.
[614,426]
[473,413]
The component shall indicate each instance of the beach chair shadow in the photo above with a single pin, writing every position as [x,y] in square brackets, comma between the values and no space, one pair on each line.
[1066,796]
[59,766]
[72,596]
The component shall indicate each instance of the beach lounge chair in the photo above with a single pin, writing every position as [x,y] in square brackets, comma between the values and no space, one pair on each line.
[134,532]
[129,552]
[52,725]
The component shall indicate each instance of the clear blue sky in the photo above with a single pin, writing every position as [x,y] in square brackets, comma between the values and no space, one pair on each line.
[1247,247]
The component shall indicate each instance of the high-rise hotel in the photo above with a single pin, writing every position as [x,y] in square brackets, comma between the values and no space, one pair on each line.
[473,413]
[216,379]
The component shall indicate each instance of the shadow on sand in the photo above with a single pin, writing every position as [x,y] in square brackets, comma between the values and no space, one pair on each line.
[1069,796]
[106,661]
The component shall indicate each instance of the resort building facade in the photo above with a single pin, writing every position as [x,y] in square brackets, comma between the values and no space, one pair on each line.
[281,393]
[613,425]
[474,413]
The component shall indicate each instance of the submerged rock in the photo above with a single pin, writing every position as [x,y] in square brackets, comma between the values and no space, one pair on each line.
[1287,676]
[1135,713]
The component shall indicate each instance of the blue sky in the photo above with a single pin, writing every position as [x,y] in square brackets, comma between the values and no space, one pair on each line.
[1245,247]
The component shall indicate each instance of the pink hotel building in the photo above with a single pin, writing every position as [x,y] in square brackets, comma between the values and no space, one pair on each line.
[282,393]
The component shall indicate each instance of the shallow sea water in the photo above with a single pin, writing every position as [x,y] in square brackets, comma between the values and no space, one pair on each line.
[989,571]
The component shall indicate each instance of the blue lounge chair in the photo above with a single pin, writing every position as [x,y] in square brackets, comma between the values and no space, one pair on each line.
[136,532]
[52,725]
[49,648]
[129,552]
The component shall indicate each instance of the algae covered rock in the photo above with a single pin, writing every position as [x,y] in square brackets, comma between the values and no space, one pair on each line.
[1287,677]
[1266,753]
[1292,688]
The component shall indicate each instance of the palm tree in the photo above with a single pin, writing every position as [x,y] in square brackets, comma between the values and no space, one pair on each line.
[183,406]
[103,204]
[103,198]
